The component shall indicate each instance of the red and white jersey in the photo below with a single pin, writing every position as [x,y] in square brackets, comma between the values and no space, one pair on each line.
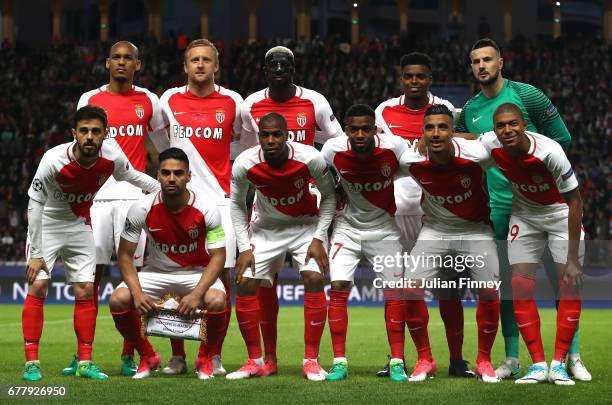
[538,178]
[203,127]
[177,241]
[67,189]
[131,118]
[368,183]
[454,195]
[309,116]
[283,194]
[393,117]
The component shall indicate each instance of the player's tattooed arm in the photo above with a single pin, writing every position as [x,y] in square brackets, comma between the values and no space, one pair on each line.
[125,258]
[573,270]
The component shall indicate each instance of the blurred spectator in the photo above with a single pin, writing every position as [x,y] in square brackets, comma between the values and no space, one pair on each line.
[39,89]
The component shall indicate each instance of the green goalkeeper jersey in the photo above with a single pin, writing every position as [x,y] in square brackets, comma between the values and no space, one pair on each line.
[540,114]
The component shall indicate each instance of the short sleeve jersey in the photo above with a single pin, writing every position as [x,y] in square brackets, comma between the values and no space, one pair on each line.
[307,113]
[132,117]
[367,182]
[454,197]
[203,127]
[176,241]
[393,117]
[538,178]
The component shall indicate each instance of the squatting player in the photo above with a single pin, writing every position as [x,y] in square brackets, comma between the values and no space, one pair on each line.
[309,119]
[542,117]
[202,119]
[403,116]
[285,220]
[546,206]
[59,224]
[186,257]
[456,223]
[134,116]
[366,163]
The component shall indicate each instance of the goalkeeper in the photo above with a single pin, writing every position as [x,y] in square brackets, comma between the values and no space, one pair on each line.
[542,117]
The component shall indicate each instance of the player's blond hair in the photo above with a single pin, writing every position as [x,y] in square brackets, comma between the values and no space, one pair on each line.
[201,42]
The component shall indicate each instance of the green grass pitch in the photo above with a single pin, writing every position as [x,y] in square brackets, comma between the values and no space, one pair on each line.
[367,350]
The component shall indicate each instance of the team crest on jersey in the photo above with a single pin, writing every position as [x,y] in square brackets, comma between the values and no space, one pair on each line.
[193,231]
[102,180]
[466,182]
[298,182]
[537,179]
[301,119]
[139,110]
[386,170]
[220,116]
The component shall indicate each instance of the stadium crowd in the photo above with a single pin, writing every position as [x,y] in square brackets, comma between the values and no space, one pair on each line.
[39,89]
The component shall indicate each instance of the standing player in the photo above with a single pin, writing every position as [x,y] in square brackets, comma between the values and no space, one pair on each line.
[403,116]
[546,206]
[309,119]
[456,223]
[285,220]
[186,257]
[59,224]
[202,118]
[366,164]
[133,115]
[542,117]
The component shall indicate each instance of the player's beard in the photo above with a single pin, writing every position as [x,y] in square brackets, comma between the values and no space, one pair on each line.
[490,80]
[89,152]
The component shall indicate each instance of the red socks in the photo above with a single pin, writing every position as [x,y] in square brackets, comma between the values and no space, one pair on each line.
[527,317]
[487,318]
[268,304]
[451,311]
[215,323]
[128,323]
[315,313]
[395,318]
[417,319]
[247,314]
[568,315]
[228,316]
[338,321]
[178,347]
[32,318]
[85,312]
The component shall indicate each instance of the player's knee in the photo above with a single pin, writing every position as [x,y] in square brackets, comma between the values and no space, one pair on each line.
[341,285]
[214,301]
[313,281]
[488,294]
[247,286]
[120,300]
[83,291]
[39,288]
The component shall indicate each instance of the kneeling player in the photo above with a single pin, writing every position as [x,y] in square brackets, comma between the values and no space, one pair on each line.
[456,223]
[285,220]
[186,256]
[366,164]
[546,205]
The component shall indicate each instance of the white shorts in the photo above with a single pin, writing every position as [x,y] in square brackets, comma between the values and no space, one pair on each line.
[107,221]
[410,226]
[77,252]
[473,253]
[349,245]
[156,283]
[527,239]
[271,245]
[230,236]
